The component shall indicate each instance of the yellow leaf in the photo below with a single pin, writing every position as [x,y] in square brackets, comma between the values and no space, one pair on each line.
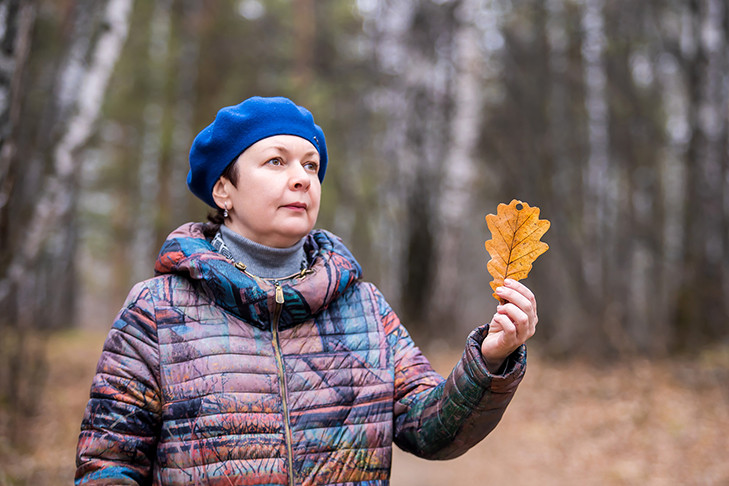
[514,245]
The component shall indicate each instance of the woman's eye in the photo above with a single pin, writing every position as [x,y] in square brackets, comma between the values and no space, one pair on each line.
[275,161]
[312,166]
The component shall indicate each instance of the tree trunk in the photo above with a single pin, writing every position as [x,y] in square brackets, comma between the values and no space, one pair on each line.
[304,44]
[18,19]
[149,177]
[416,45]
[182,134]
[701,312]
[596,172]
[56,200]
[26,286]
[565,293]
[455,206]
[14,48]
[600,197]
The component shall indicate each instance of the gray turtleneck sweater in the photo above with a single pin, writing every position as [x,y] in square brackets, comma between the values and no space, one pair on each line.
[264,261]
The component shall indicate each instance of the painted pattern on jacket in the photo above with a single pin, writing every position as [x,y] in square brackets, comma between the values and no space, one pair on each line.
[187,390]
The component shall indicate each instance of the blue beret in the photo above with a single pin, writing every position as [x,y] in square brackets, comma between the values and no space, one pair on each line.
[236,128]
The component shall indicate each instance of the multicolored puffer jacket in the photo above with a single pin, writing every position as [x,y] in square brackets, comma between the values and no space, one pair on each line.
[212,376]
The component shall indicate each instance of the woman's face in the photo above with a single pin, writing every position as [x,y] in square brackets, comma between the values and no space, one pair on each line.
[276,201]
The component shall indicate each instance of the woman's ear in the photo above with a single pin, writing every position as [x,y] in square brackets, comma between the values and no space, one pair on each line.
[221,192]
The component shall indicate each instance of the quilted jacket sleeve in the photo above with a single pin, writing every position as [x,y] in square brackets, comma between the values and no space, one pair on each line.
[120,427]
[442,419]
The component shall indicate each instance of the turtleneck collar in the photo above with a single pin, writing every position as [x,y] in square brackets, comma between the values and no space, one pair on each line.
[260,260]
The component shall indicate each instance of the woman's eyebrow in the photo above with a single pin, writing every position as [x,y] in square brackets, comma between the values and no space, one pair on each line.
[283,149]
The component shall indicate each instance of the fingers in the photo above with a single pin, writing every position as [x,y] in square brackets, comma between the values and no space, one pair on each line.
[508,329]
[518,294]
[521,307]
[517,318]
[512,325]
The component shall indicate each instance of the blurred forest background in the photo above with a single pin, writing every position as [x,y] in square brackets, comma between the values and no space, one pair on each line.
[612,116]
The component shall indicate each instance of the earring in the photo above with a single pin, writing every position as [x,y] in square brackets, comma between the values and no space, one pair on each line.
[225,211]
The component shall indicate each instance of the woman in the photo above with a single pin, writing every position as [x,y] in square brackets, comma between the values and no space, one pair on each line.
[256,355]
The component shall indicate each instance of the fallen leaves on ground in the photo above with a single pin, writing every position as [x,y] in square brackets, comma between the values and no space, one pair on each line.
[637,421]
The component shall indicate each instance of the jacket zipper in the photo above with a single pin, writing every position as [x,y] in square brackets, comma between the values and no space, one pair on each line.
[282,380]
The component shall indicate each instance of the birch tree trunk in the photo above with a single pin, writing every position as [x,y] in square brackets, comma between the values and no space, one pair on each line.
[673,182]
[147,213]
[56,199]
[415,45]
[386,26]
[459,169]
[566,293]
[600,181]
[25,286]
[596,172]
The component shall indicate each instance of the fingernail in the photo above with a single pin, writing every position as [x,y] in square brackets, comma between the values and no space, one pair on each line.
[500,290]
[509,281]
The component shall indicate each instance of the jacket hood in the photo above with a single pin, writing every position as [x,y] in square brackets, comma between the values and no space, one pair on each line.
[187,253]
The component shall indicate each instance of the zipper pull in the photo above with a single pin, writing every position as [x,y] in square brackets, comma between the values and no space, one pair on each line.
[279,293]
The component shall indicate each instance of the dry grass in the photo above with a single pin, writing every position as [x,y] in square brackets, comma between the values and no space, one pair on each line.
[637,422]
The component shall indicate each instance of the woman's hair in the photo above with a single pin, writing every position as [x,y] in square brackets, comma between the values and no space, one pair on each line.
[215,216]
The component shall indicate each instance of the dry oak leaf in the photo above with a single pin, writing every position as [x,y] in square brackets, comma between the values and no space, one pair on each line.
[514,245]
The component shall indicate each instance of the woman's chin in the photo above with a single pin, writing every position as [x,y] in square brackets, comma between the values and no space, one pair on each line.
[289,237]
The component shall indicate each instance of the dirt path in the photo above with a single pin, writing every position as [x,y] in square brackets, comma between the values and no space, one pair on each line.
[641,422]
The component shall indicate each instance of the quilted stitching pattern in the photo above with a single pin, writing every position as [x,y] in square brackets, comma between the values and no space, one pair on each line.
[187,390]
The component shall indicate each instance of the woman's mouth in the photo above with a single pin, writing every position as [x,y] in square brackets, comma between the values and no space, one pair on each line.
[296,206]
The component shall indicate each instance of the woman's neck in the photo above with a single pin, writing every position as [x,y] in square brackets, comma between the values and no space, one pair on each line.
[264,261]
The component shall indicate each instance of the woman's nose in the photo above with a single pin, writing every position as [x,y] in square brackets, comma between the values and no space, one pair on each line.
[299,178]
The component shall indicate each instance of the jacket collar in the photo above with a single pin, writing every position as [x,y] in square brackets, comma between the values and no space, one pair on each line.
[187,253]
